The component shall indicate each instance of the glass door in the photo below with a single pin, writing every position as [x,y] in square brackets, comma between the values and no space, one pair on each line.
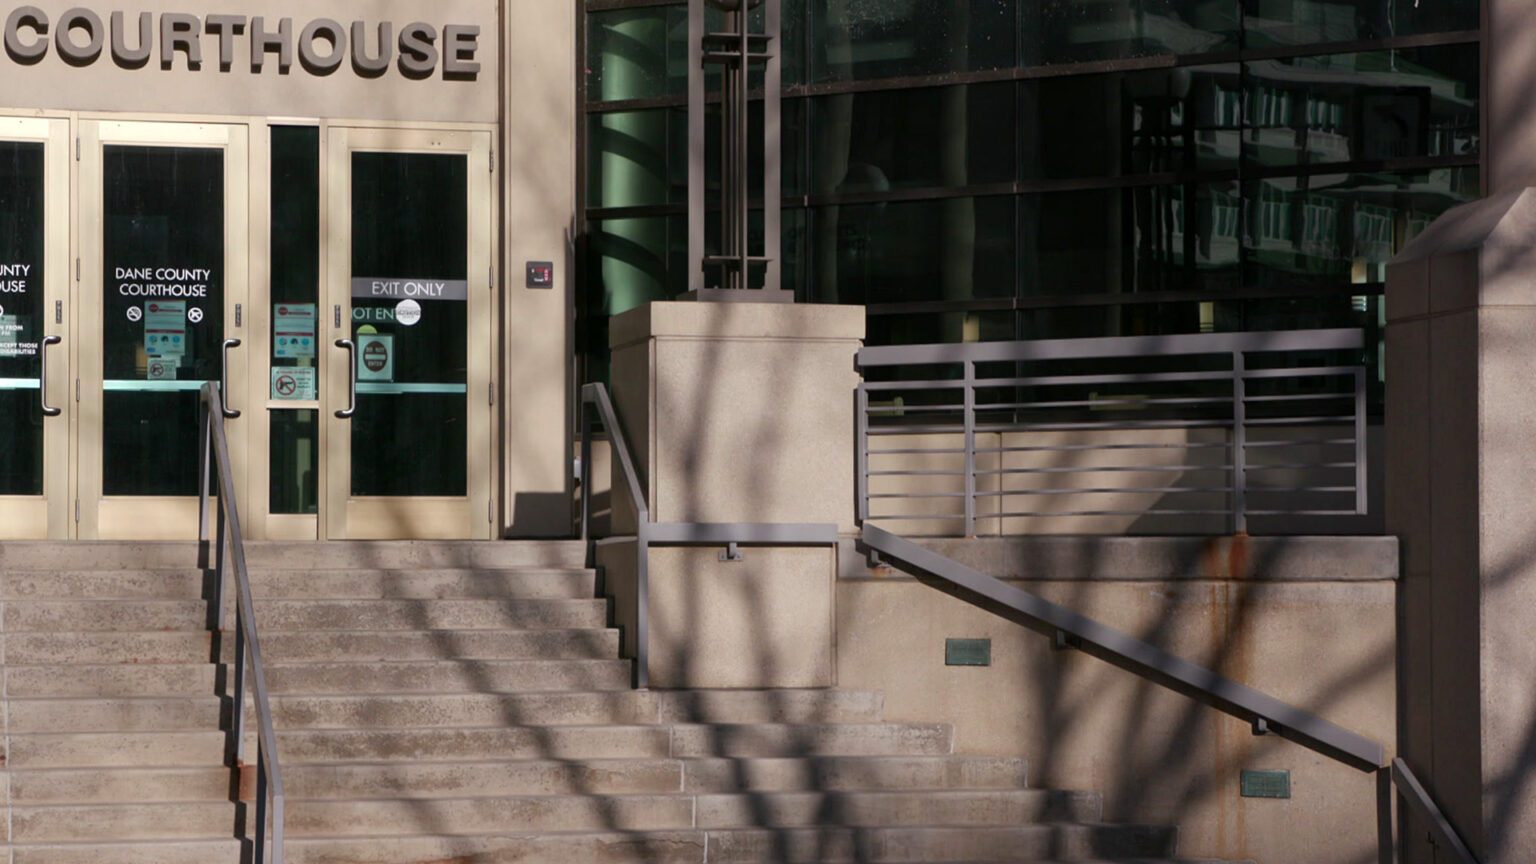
[408,391]
[35,413]
[163,210]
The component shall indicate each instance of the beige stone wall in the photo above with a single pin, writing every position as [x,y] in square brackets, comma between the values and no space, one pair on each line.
[538,171]
[103,85]
[1326,644]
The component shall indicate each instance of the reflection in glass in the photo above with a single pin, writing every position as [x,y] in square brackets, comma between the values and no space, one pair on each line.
[1327,230]
[1363,107]
[22,321]
[1071,31]
[162,312]
[294,450]
[1302,22]
[294,455]
[410,221]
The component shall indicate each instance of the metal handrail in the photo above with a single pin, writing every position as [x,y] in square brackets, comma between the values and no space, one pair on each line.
[1243,409]
[269,775]
[1266,714]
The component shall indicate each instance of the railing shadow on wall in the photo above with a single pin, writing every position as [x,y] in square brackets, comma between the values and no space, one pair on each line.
[1187,434]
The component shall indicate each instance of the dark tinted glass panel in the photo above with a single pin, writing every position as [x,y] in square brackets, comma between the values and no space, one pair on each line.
[893,139]
[1363,107]
[1302,22]
[636,158]
[22,321]
[955,249]
[163,312]
[294,443]
[1133,240]
[410,222]
[1333,229]
[1074,31]
[637,53]
[293,451]
[630,262]
[889,38]
[1158,121]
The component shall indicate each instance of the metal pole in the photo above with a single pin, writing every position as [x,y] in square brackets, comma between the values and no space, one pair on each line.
[586,472]
[1362,505]
[970,449]
[642,605]
[259,834]
[239,719]
[1386,851]
[861,443]
[1239,445]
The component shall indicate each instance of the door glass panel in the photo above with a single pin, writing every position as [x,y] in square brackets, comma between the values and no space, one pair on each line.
[410,265]
[293,449]
[22,311]
[163,312]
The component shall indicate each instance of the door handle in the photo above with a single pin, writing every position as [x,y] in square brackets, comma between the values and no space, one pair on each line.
[229,412]
[42,376]
[351,408]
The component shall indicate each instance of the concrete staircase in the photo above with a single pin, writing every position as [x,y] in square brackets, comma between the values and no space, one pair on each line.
[461,702]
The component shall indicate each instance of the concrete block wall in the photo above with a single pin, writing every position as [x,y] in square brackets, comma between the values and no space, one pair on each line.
[1311,621]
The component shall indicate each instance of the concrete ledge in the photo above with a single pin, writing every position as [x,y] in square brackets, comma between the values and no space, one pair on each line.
[1156,559]
[798,321]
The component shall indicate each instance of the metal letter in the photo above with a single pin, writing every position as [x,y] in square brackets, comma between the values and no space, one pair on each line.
[331,31]
[418,54]
[182,32]
[26,16]
[226,27]
[460,42]
[280,42]
[90,22]
[133,58]
[362,64]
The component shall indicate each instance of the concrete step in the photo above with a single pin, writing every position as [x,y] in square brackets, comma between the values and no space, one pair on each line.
[187,646]
[1041,844]
[181,820]
[400,711]
[420,779]
[786,739]
[87,749]
[431,614]
[186,583]
[652,812]
[117,679]
[356,584]
[381,645]
[472,744]
[269,555]
[126,714]
[596,742]
[1054,842]
[105,615]
[146,852]
[449,676]
[852,773]
[771,706]
[96,785]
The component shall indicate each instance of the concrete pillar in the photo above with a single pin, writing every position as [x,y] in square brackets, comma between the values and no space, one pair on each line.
[1461,495]
[1509,124]
[737,412]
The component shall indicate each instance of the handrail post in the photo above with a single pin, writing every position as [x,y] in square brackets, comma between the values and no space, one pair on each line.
[586,471]
[861,452]
[259,836]
[642,604]
[970,448]
[1239,444]
[1362,505]
[239,719]
[1386,849]
[204,472]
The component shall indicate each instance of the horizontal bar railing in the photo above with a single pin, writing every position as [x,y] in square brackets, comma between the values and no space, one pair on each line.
[1266,714]
[729,535]
[1273,439]
[229,557]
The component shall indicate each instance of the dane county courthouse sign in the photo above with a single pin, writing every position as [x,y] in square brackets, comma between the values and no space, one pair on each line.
[82,37]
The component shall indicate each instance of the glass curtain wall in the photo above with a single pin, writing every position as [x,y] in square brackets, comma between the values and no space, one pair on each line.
[1021,169]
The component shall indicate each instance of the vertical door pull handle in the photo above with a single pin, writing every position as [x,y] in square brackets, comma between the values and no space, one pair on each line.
[229,412]
[346,414]
[42,377]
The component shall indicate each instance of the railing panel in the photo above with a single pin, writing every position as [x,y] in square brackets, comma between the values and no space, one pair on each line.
[1195,433]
